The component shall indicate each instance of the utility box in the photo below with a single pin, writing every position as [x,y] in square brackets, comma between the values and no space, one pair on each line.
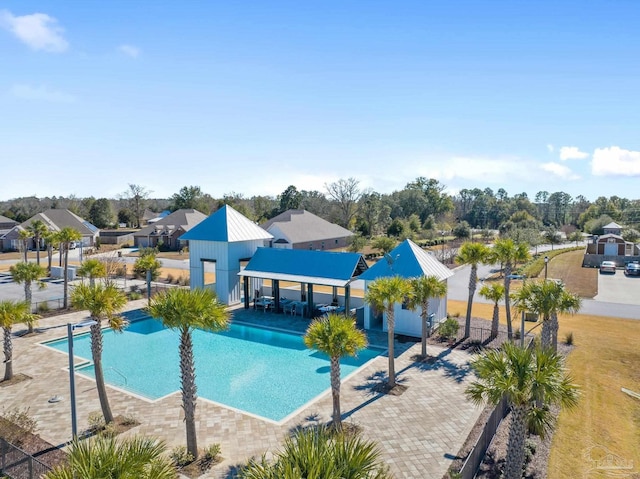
[57,272]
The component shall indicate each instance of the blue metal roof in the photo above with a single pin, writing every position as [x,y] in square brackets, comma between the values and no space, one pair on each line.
[407,260]
[227,225]
[305,266]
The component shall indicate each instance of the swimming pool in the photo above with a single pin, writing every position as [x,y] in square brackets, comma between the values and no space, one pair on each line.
[264,372]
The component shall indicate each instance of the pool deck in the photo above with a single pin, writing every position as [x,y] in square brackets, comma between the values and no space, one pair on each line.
[419,432]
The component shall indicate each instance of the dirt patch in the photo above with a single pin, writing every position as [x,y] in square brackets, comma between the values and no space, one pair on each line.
[32,444]
[17,378]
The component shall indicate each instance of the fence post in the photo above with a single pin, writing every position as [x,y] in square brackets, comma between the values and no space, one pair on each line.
[30,467]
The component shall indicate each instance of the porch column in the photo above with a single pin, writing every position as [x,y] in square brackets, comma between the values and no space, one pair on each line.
[309,300]
[347,300]
[276,294]
[245,288]
[334,299]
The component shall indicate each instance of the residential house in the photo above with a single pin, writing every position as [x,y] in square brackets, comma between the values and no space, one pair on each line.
[166,231]
[55,220]
[299,229]
[610,246]
[6,224]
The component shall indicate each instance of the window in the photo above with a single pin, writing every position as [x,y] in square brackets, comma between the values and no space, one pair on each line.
[336,241]
[310,245]
[323,245]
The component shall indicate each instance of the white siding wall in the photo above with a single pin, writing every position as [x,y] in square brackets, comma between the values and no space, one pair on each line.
[227,256]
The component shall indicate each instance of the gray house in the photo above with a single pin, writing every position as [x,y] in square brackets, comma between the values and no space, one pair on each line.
[299,229]
[166,231]
[6,224]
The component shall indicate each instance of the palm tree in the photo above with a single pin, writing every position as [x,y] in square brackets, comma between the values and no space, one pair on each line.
[337,336]
[184,310]
[102,302]
[508,253]
[66,236]
[50,238]
[473,254]
[92,268]
[422,290]
[148,263]
[494,293]
[27,273]
[128,458]
[38,230]
[24,236]
[12,312]
[321,453]
[383,294]
[524,377]
[547,299]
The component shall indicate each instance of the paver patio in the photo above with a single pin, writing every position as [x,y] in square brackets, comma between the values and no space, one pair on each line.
[419,432]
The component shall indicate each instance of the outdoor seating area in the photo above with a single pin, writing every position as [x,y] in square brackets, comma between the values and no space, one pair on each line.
[294,307]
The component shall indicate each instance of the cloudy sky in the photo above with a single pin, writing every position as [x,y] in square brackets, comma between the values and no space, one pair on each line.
[253,96]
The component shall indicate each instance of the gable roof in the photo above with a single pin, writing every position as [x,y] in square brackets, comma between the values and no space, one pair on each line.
[407,260]
[185,219]
[226,225]
[305,266]
[300,226]
[612,226]
[58,219]
[4,219]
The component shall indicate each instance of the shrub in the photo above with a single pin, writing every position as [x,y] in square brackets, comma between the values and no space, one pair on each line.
[16,424]
[212,452]
[43,307]
[135,295]
[129,420]
[96,421]
[449,329]
[170,278]
[110,430]
[184,281]
[180,456]
[568,339]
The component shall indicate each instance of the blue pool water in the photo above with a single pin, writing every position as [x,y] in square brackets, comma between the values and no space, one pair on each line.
[264,372]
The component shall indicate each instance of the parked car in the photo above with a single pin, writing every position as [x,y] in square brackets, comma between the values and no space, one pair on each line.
[632,269]
[608,267]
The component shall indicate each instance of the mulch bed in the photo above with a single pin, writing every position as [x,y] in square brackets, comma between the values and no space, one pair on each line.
[33,444]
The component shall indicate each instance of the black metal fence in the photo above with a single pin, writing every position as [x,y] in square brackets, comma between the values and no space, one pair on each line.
[476,455]
[17,464]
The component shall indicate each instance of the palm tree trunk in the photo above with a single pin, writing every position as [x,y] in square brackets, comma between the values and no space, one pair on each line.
[65,295]
[495,322]
[390,336]
[49,256]
[515,447]
[189,389]
[8,355]
[423,317]
[473,278]
[27,297]
[37,241]
[546,332]
[507,300]
[335,391]
[148,285]
[554,331]
[96,352]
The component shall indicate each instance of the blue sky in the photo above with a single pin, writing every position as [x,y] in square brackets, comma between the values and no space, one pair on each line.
[253,96]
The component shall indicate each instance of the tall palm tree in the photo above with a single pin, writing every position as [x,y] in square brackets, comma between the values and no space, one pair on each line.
[24,236]
[12,312]
[103,303]
[547,299]
[38,230]
[184,310]
[526,378]
[472,254]
[28,273]
[92,268]
[337,336]
[422,290]
[508,253]
[127,458]
[66,236]
[383,294]
[493,292]
[50,238]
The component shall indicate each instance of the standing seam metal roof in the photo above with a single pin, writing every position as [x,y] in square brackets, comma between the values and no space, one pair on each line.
[226,225]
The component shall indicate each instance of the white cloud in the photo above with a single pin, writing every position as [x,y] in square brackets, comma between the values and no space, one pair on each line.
[559,170]
[39,31]
[615,161]
[550,148]
[129,50]
[40,93]
[572,153]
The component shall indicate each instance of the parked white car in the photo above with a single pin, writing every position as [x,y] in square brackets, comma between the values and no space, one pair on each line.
[608,267]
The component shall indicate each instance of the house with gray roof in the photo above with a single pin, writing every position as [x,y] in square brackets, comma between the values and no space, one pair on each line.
[55,220]
[299,229]
[167,231]
[6,224]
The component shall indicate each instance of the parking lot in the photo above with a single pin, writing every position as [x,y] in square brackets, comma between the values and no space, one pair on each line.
[618,288]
